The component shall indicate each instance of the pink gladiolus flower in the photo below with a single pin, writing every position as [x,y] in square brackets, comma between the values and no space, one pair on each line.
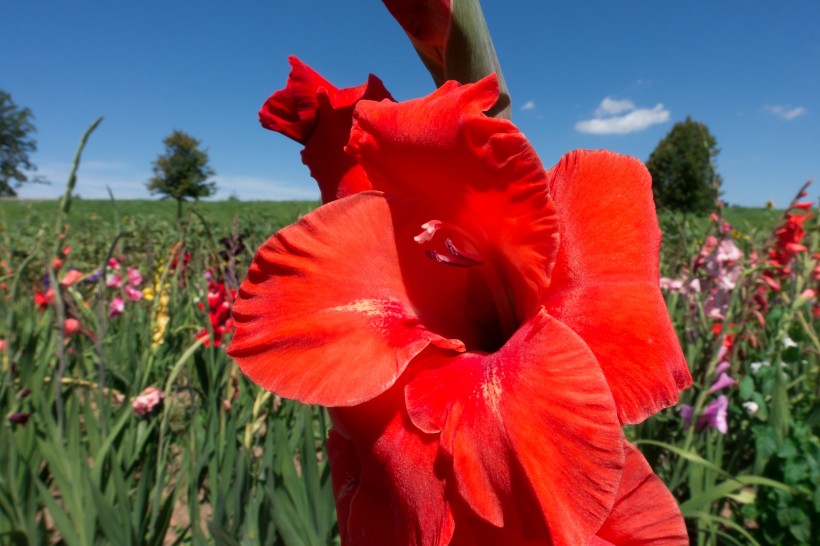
[147,401]
[116,307]
[132,293]
[71,277]
[134,277]
[114,281]
[728,252]
[113,263]
[3,345]
[71,326]
[715,415]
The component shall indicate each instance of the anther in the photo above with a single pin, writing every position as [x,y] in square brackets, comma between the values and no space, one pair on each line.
[430,228]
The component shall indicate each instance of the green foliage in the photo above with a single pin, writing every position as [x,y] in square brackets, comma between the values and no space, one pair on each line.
[182,172]
[16,143]
[682,169]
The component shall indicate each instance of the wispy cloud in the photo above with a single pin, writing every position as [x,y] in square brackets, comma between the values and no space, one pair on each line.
[610,107]
[785,112]
[632,119]
[529,105]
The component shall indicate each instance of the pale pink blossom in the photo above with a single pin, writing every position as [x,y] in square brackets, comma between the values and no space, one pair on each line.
[116,307]
[114,281]
[134,277]
[71,326]
[147,401]
[71,277]
[132,294]
[808,294]
[728,251]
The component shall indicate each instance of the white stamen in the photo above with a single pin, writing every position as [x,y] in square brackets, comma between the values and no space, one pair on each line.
[430,228]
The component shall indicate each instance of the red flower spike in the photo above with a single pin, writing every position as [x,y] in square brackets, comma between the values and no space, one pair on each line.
[605,280]
[313,112]
[478,367]
[532,424]
[645,512]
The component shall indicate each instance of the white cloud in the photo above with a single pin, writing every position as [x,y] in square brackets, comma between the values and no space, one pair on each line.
[784,112]
[529,105]
[610,106]
[606,122]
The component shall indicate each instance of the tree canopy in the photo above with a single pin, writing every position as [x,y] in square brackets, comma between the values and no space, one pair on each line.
[682,168]
[16,143]
[182,172]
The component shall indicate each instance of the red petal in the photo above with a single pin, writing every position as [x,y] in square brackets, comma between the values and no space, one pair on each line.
[385,480]
[313,112]
[467,170]
[645,512]
[532,425]
[605,281]
[324,316]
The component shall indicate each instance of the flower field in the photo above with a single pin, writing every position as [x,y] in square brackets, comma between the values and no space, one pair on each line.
[125,422]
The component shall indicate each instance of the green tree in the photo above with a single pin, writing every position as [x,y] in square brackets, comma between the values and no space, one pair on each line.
[182,172]
[16,143]
[682,168]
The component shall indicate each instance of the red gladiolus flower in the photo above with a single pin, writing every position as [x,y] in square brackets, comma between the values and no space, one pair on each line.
[71,326]
[787,246]
[480,329]
[43,299]
[313,112]
[219,313]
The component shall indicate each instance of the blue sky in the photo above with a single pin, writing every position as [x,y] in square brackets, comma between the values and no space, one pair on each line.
[593,74]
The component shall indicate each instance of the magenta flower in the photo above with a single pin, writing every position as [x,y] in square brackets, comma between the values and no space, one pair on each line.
[116,307]
[715,415]
[722,382]
[19,418]
[687,412]
[114,281]
[147,401]
[134,277]
[132,293]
